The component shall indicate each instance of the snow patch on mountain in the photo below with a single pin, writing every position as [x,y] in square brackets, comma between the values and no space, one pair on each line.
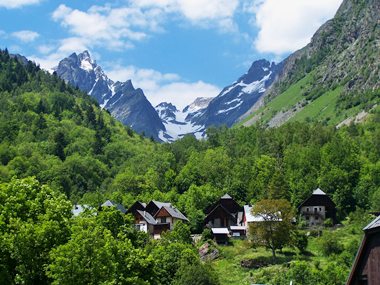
[179,123]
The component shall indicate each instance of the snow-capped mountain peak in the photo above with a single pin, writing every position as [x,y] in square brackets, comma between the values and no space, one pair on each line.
[127,104]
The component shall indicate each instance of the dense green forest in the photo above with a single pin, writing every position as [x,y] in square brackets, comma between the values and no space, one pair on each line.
[57,146]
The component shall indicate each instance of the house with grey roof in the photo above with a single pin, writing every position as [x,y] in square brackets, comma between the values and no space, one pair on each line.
[155,217]
[169,215]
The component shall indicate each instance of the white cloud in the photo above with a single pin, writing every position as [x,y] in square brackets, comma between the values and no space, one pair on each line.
[287,25]
[205,13]
[114,28]
[164,87]
[26,36]
[11,4]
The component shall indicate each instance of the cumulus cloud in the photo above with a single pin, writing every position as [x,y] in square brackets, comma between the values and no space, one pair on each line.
[159,87]
[114,28]
[207,13]
[12,4]
[287,25]
[26,36]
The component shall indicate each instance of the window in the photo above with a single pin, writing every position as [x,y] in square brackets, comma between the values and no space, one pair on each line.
[320,209]
[163,220]
[307,209]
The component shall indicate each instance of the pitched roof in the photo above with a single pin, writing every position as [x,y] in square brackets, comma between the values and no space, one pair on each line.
[223,208]
[78,209]
[175,213]
[251,218]
[118,206]
[147,217]
[226,196]
[318,192]
[373,225]
[161,204]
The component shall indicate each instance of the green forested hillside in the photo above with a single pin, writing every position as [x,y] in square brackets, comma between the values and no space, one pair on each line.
[76,151]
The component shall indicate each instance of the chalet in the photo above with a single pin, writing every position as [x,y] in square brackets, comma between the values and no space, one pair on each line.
[155,217]
[224,218]
[224,213]
[366,267]
[118,206]
[169,215]
[317,208]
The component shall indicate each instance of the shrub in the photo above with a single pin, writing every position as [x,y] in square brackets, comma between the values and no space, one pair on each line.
[330,245]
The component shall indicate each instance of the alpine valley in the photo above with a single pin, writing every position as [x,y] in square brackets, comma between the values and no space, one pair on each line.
[165,122]
[287,193]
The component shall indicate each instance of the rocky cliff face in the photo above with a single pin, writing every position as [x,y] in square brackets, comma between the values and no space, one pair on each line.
[236,99]
[125,103]
[344,51]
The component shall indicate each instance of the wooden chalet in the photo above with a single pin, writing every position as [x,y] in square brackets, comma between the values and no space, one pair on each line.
[366,267]
[223,214]
[169,215]
[155,217]
[317,208]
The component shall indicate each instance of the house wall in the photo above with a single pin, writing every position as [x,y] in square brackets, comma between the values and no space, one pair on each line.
[142,225]
[314,215]
[368,268]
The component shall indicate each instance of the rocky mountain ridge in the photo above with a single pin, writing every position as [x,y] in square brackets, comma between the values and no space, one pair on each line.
[121,99]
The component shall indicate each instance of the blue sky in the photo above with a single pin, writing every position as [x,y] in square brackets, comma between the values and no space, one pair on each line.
[175,50]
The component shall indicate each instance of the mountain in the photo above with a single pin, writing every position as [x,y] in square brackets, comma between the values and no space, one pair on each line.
[239,97]
[179,123]
[121,99]
[334,77]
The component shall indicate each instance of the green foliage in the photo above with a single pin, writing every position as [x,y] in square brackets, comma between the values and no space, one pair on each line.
[196,274]
[330,244]
[33,220]
[274,232]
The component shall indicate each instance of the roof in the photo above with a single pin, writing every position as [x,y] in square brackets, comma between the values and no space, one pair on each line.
[373,225]
[118,206]
[175,213]
[318,192]
[226,196]
[249,217]
[147,217]
[161,204]
[257,218]
[78,209]
[220,231]
[224,209]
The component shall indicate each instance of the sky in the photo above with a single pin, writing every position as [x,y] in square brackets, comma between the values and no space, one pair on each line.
[175,50]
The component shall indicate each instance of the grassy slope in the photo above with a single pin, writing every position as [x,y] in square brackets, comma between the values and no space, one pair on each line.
[323,109]
[284,102]
[231,273]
